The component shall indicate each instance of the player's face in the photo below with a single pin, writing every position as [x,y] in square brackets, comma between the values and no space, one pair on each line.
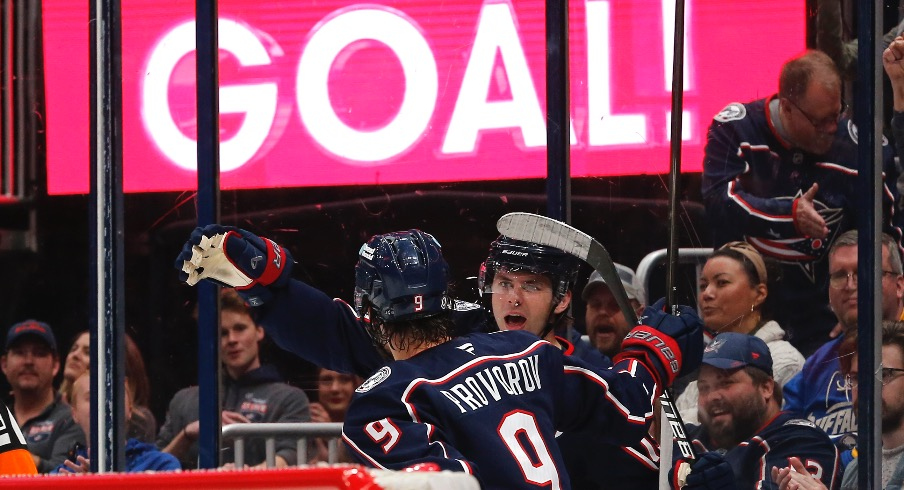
[239,337]
[813,120]
[606,324]
[726,296]
[335,390]
[524,301]
[30,366]
[731,407]
[79,358]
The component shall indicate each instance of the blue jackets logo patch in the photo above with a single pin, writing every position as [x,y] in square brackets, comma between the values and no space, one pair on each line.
[374,380]
[732,112]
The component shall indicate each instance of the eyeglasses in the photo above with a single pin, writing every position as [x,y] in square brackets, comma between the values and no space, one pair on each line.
[888,375]
[839,280]
[827,121]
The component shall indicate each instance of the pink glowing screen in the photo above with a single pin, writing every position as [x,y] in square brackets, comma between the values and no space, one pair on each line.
[380,92]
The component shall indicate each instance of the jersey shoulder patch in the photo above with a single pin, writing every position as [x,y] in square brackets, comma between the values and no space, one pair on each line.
[732,112]
[374,380]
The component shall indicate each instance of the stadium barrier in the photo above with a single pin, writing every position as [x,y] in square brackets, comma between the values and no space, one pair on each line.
[272,431]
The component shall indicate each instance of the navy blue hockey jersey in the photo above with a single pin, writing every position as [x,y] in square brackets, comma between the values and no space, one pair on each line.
[751,178]
[782,437]
[490,405]
[303,320]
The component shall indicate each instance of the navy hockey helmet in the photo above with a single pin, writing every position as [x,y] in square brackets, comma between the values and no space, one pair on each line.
[401,276]
[519,256]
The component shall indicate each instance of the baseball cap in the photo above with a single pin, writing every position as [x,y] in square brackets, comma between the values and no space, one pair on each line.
[34,328]
[733,350]
[628,278]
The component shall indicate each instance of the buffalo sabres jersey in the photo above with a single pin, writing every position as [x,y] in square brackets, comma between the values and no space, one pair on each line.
[490,405]
[782,437]
[751,178]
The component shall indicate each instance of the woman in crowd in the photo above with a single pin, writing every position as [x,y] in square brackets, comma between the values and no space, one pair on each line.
[142,425]
[734,297]
[334,394]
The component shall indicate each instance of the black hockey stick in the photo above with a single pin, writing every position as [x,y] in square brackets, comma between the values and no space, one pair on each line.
[552,233]
[675,152]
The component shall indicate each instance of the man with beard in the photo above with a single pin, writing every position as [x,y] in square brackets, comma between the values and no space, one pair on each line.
[742,423]
[606,323]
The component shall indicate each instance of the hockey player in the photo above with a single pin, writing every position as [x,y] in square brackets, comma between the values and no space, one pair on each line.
[515,283]
[780,174]
[259,269]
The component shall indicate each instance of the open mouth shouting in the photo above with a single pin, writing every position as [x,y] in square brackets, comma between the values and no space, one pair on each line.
[515,322]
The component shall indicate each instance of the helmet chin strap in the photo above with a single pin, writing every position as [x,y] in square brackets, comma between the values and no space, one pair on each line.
[551,319]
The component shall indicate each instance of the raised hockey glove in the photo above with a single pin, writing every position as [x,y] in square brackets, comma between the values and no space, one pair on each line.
[670,344]
[236,258]
[710,472]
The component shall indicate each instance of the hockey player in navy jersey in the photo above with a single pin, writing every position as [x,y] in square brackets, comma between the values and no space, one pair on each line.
[515,283]
[743,432]
[487,404]
[780,174]
[203,257]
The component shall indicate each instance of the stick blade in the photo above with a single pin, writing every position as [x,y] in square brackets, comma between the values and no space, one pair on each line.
[535,228]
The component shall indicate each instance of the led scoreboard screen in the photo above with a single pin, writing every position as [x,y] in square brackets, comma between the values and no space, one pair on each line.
[380,92]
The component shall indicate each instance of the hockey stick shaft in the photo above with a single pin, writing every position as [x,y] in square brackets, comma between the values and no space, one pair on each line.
[675,152]
[547,231]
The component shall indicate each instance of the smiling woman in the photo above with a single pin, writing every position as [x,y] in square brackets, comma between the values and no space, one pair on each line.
[733,294]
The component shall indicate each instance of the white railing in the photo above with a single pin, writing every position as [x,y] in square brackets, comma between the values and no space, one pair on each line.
[695,256]
[272,431]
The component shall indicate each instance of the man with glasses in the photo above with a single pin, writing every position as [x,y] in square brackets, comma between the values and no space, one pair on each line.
[892,383]
[819,391]
[780,173]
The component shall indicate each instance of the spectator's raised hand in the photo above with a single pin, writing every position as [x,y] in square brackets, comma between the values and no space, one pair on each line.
[806,219]
[319,413]
[893,61]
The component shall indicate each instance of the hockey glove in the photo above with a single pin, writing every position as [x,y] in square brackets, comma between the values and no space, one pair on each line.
[236,258]
[710,472]
[670,344]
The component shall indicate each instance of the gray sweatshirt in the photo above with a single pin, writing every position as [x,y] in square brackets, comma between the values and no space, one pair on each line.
[260,395]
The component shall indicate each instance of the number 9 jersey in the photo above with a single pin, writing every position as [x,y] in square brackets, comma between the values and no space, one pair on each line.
[491,405]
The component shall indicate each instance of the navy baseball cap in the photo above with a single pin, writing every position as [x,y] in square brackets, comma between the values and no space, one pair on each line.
[732,350]
[33,328]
